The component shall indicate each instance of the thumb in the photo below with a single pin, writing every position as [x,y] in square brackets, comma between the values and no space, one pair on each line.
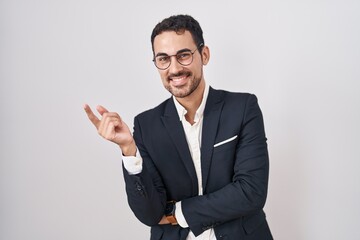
[101,109]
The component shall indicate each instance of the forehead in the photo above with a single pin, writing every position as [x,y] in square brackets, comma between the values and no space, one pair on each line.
[170,42]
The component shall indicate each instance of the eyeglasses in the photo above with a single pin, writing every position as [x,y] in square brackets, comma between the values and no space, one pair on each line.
[184,57]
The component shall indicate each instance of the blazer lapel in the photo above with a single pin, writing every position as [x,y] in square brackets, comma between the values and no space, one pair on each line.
[212,114]
[176,132]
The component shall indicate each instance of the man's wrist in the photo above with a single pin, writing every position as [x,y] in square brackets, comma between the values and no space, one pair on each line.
[129,149]
[170,212]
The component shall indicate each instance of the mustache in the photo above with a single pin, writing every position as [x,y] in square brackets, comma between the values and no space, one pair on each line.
[179,74]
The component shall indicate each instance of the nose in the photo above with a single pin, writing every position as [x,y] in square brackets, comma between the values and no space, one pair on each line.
[175,66]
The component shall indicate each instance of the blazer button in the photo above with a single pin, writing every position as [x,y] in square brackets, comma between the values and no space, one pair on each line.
[138,187]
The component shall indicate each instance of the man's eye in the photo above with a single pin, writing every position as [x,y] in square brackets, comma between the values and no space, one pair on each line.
[163,59]
[183,55]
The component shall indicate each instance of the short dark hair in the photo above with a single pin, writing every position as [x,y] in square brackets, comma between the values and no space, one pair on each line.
[179,24]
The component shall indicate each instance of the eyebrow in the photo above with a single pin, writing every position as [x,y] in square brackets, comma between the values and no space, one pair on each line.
[180,51]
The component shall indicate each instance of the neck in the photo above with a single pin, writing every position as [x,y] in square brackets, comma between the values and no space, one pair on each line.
[192,102]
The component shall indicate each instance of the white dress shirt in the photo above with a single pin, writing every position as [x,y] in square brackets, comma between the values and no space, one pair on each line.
[193,136]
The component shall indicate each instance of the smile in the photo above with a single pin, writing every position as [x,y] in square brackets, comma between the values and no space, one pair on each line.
[179,80]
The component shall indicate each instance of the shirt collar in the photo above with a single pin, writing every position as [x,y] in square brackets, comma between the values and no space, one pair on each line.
[199,112]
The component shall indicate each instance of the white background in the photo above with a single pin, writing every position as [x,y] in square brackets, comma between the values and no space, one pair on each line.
[60,180]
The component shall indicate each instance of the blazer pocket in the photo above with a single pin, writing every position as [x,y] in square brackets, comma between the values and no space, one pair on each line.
[225,141]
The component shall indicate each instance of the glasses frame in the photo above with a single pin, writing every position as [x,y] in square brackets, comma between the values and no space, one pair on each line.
[177,59]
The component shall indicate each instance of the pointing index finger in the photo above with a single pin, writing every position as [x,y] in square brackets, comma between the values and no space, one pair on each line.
[95,120]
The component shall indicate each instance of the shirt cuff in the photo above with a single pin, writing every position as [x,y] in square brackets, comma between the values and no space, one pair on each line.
[180,216]
[133,165]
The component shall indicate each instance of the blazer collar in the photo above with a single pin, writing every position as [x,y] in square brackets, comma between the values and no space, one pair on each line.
[211,120]
[176,132]
[175,129]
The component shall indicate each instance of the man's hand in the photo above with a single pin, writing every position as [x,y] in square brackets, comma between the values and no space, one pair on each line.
[164,220]
[112,128]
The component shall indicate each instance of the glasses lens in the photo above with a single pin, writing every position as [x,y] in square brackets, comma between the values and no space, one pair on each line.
[162,62]
[184,58]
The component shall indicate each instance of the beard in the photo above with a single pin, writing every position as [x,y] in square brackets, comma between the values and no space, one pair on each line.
[185,90]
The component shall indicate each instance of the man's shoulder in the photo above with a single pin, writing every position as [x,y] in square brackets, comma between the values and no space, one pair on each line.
[231,95]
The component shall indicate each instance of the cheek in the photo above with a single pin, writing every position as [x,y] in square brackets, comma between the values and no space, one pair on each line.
[164,79]
[194,70]
[162,75]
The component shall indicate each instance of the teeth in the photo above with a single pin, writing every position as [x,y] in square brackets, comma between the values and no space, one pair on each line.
[178,78]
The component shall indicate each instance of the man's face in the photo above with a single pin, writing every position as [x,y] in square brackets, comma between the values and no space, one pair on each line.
[180,80]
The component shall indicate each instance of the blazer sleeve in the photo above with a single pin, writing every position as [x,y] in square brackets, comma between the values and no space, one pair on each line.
[247,192]
[145,191]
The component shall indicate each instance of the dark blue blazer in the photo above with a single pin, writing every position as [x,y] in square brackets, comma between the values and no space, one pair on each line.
[235,174]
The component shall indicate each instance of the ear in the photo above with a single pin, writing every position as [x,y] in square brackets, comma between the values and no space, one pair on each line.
[205,55]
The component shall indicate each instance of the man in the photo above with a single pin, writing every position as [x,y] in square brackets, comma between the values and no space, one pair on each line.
[197,165]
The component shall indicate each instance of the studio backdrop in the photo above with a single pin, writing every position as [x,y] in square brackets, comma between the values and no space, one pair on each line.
[60,180]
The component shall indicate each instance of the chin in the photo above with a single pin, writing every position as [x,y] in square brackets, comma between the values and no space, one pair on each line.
[181,93]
